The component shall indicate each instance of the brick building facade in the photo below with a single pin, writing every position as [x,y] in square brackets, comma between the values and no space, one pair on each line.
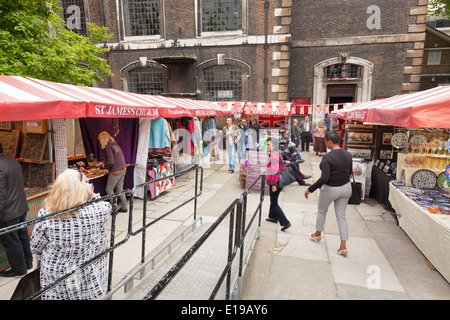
[257,50]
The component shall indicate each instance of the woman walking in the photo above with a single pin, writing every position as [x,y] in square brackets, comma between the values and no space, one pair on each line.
[335,186]
[319,138]
[274,166]
[62,244]
[117,167]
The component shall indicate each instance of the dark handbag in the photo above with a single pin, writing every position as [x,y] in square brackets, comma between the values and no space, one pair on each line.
[27,286]
[355,198]
[285,177]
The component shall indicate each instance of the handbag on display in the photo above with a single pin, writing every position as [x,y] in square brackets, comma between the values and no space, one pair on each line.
[355,198]
[27,286]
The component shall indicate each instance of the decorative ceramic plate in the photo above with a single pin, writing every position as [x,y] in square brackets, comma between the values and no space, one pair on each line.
[423,178]
[418,138]
[411,190]
[447,171]
[448,145]
[399,140]
[440,140]
[431,129]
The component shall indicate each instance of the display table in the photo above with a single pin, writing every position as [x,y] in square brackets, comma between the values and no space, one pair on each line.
[429,232]
[35,198]
[435,163]
[379,189]
[100,181]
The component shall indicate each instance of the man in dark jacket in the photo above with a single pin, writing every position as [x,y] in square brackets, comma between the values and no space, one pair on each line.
[13,210]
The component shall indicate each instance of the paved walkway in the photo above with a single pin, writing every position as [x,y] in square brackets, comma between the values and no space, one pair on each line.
[382,263]
[287,265]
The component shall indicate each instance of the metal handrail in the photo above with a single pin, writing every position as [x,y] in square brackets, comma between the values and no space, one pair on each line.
[113,245]
[240,234]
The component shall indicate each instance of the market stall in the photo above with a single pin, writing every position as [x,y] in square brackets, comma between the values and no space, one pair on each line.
[33,129]
[414,131]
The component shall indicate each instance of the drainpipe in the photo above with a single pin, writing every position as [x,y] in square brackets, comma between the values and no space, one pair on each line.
[266,46]
[104,44]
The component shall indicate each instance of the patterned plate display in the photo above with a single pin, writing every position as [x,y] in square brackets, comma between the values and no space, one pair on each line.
[431,129]
[439,139]
[448,145]
[399,140]
[423,178]
[418,138]
[447,171]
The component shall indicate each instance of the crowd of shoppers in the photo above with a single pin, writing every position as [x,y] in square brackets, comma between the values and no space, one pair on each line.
[63,243]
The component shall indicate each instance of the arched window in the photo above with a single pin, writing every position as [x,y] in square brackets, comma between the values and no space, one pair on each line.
[222,83]
[145,80]
[148,78]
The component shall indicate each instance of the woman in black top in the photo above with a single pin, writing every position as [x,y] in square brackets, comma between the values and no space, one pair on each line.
[335,186]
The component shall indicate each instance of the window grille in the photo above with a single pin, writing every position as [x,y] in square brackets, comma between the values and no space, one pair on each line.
[141,17]
[338,71]
[434,58]
[73,15]
[222,83]
[222,15]
[145,80]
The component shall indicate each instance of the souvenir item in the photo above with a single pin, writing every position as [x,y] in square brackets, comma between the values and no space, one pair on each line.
[418,138]
[411,190]
[447,171]
[403,177]
[431,129]
[399,140]
[438,139]
[424,178]
[433,209]
[444,208]
[443,182]
[448,145]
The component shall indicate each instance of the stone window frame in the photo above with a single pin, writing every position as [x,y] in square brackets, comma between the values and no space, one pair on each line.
[246,69]
[124,72]
[363,85]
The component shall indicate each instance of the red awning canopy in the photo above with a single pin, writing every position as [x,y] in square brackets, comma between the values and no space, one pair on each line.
[23,98]
[423,109]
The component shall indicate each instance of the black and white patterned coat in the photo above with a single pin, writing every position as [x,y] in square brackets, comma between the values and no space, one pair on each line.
[63,245]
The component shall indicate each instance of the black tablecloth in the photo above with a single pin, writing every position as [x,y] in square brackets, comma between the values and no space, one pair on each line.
[379,189]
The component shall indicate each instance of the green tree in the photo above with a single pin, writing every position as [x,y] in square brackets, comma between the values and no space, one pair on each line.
[439,7]
[35,42]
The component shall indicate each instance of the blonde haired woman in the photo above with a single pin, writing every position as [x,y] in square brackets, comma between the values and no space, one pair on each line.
[65,242]
[116,165]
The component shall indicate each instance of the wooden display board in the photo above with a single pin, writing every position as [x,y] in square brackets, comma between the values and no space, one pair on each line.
[38,174]
[10,142]
[33,147]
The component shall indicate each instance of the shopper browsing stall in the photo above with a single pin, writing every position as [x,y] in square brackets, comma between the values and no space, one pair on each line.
[116,165]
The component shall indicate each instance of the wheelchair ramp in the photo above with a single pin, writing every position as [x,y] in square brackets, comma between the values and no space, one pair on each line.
[199,275]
